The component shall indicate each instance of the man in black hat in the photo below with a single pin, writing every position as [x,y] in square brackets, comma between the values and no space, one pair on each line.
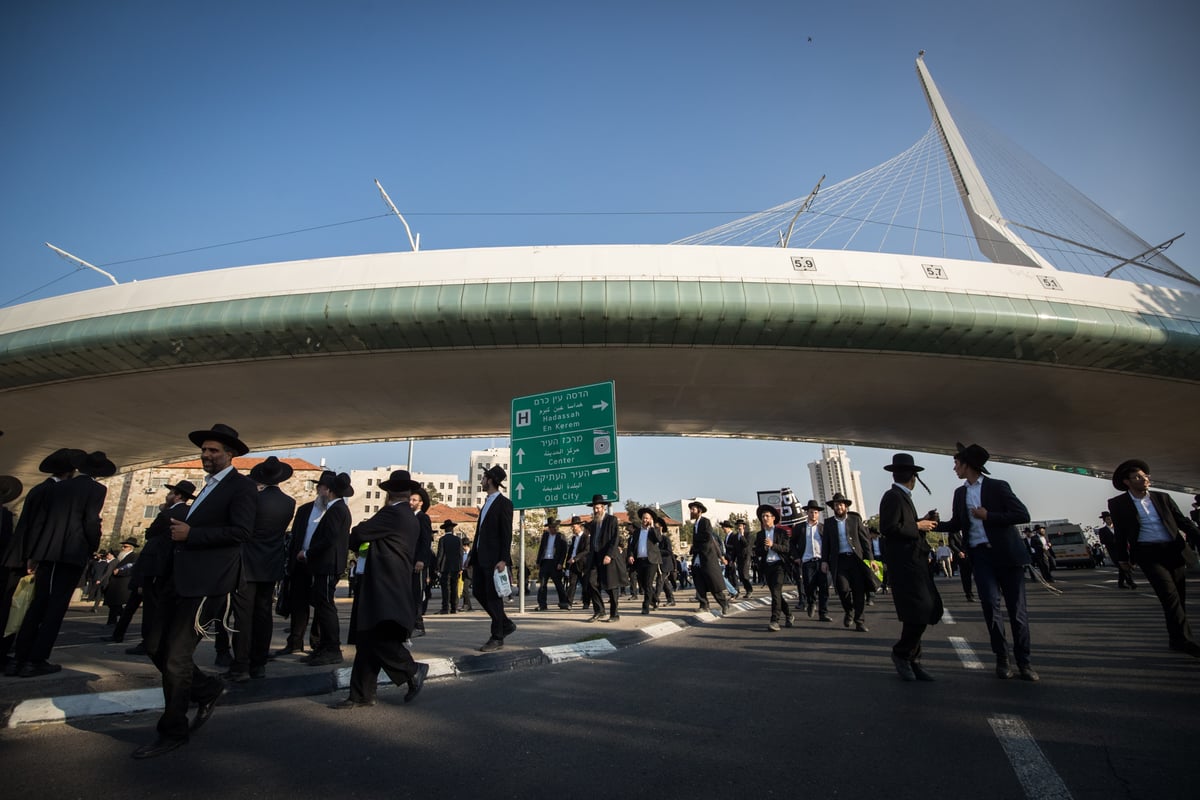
[845,549]
[1108,538]
[645,557]
[207,562]
[449,566]
[707,559]
[116,580]
[772,547]
[263,560]
[386,607]
[606,573]
[806,554]
[1151,532]
[551,559]
[151,570]
[577,563]
[13,566]
[60,547]
[465,595]
[319,549]
[492,553]
[738,549]
[906,553]
[1040,548]
[987,513]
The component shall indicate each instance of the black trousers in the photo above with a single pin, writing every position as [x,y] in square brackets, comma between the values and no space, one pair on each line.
[52,590]
[252,610]
[325,612]
[1166,571]
[127,611]
[662,584]
[450,592]
[183,682]
[646,572]
[965,571]
[851,585]
[779,607]
[484,586]
[548,571]
[816,585]
[380,648]
[909,645]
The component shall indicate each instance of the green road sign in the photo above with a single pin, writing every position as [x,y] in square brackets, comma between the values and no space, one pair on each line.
[564,447]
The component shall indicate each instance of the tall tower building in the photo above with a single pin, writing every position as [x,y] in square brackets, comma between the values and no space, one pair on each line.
[832,474]
[481,460]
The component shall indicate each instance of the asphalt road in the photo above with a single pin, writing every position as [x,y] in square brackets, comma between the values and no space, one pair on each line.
[724,710]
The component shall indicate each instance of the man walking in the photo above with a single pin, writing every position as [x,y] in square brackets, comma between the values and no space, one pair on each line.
[987,513]
[607,573]
[845,547]
[551,558]
[806,553]
[1108,538]
[645,557]
[449,566]
[577,564]
[320,536]
[707,560]
[492,553]
[772,547]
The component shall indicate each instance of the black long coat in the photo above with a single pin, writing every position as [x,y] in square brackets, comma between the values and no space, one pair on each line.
[385,588]
[263,554]
[906,554]
[155,560]
[328,551]
[606,541]
[706,545]
[209,562]
[71,533]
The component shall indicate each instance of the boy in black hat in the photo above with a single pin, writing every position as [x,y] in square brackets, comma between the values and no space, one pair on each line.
[772,546]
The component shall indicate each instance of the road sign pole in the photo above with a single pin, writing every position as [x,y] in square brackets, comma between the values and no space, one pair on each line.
[521,567]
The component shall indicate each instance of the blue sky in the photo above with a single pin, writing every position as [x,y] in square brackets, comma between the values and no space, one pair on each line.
[137,129]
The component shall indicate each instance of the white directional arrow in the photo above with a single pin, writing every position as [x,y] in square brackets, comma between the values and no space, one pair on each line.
[603,471]
[521,456]
[603,404]
[520,487]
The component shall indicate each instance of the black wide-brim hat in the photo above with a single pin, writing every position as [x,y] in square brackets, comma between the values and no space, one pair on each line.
[764,508]
[575,520]
[64,459]
[271,472]
[644,510]
[904,463]
[449,525]
[130,542]
[840,498]
[601,499]
[812,505]
[399,481]
[339,483]
[699,505]
[973,456]
[1124,469]
[726,523]
[185,489]
[97,465]
[223,434]
[10,488]
[497,474]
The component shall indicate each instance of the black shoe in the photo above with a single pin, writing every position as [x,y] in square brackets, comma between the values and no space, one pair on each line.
[861,627]
[257,673]
[161,745]
[646,611]
[138,650]
[773,626]
[593,618]
[417,633]
[491,645]
[1027,673]
[205,710]
[347,704]
[416,682]
[724,607]
[920,672]
[286,651]
[31,669]
[790,621]
[970,598]
[826,618]
[13,668]
[903,668]
[809,610]
[236,677]
[223,659]
[510,627]
[846,620]
[1004,670]
[565,606]
[610,618]
[325,658]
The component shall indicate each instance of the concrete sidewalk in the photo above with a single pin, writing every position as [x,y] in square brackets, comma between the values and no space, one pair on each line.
[98,677]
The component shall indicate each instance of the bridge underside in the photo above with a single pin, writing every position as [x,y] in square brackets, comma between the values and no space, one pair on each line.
[1026,413]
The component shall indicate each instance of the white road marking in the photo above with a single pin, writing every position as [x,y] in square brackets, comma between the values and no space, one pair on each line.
[1036,775]
[965,654]
[947,617]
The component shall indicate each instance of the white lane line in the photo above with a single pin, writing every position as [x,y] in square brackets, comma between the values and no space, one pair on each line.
[965,654]
[947,617]
[1036,775]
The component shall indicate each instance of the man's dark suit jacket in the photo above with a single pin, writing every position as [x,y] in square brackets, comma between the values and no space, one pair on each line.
[1005,513]
[856,535]
[71,533]
[155,560]
[561,550]
[708,546]
[28,527]
[493,537]
[449,553]
[263,555]
[385,589]
[653,553]
[330,545]
[1125,518]
[209,562]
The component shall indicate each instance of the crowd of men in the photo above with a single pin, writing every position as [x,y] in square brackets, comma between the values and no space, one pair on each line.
[226,556]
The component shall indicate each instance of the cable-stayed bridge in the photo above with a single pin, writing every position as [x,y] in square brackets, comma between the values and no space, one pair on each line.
[938,297]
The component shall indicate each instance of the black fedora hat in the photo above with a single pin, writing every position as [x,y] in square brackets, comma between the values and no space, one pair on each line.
[1124,469]
[1105,515]
[726,523]
[646,510]
[838,497]
[599,499]
[903,462]
[185,489]
[399,481]
[575,520]
[339,483]
[64,459]
[973,456]
[812,505]
[764,508]
[697,504]
[97,465]
[497,475]
[271,472]
[223,434]
[449,525]
[131,542]
[10,488]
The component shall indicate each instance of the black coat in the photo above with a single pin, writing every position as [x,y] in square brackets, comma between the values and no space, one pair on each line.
[493,536]
[706,545]
[385,591]
[906,554]
[15,553]
[116,588]
[263,555]
[424,552]
[857,536]
[606,541]
[71,532]
[449,553]
[781,543]
[737,549]
[209,562]
[1125,518]
[1005,513]
[155,559]
[330,547]
[561,550]
[653,553]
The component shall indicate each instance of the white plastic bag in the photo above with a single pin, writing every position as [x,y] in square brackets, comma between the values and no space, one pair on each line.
[503,584]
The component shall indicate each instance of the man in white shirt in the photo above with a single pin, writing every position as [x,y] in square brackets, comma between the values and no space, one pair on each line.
[806,553]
